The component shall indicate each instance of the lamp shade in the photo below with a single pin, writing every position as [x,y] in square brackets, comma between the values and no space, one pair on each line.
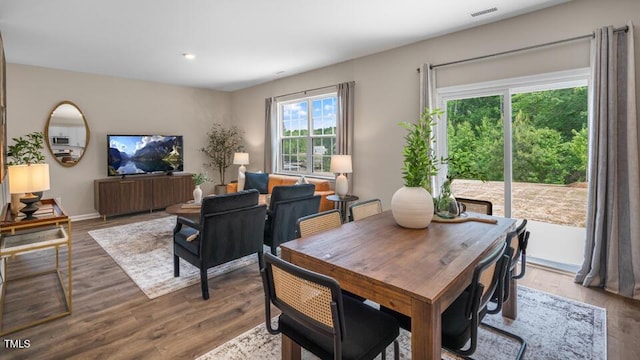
[28,178]
[341,164]
[241,158]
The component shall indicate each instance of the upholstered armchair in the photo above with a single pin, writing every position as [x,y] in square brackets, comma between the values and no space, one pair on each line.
[231,226]
[287,205]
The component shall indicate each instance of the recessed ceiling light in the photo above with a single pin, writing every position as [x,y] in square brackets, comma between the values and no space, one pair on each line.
[189,56]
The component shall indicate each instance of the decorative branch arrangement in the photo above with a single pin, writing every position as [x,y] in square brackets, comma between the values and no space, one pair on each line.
[222,143]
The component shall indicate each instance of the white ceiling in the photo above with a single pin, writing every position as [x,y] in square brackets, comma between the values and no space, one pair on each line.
[238,43]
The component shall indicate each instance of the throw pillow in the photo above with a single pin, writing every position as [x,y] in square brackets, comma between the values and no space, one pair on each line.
[302,180]
[258,181]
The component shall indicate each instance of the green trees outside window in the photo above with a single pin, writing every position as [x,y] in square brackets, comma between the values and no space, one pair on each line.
[549,136]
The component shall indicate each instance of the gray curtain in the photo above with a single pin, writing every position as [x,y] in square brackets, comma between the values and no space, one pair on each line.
[612,248]
[428,100]
[269,132]
[427,87]
[344,136]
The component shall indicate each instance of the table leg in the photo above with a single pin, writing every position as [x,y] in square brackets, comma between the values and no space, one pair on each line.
[426,328]
[290,350]
[510,307]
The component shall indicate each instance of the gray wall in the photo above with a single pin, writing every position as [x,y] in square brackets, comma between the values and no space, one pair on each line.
[110,105]
[387,84]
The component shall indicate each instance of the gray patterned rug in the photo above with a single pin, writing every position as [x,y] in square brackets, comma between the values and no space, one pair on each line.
[144,250]
[554,328]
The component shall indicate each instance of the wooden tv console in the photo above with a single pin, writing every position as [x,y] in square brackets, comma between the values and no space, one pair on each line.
[118,196]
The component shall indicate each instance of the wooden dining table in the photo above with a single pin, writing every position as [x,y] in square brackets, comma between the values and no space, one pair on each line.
[417,272]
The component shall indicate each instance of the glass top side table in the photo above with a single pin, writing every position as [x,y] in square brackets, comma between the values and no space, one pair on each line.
[19,236]
[341,203]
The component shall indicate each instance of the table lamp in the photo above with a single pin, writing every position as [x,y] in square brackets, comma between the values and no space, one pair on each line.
[341,164]
[242,159]
[27,179]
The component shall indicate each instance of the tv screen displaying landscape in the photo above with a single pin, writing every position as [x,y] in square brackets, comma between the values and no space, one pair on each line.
[144,154]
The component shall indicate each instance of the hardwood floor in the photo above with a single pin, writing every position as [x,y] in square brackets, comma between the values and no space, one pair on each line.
[113,319]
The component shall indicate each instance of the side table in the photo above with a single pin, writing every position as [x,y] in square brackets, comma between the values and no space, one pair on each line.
[19,236]
[341,204]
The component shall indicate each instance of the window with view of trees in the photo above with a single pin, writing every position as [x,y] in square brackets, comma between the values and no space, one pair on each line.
[533,166]
[549,135]
[307,134]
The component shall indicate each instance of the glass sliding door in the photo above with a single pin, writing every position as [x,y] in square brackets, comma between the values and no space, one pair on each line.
[523,145]
[550,139]
[475,145]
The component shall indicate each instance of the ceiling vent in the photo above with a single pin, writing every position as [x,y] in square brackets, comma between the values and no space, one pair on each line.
[483,12]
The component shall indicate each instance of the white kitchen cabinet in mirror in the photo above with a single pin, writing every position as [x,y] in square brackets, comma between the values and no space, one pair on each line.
[67,133]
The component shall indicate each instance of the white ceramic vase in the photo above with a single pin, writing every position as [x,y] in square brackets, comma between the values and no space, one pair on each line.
[197,195]
[412,207]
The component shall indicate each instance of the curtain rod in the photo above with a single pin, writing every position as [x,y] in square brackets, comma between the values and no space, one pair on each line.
[306,91]
[625,29]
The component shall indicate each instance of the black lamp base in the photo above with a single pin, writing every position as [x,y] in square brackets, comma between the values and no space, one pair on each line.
[30,201]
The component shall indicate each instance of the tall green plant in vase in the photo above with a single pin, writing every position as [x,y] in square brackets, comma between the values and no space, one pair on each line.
[412,205]
[222,143]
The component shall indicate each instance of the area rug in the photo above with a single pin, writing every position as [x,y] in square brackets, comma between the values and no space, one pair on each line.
[144,250]
[554,328]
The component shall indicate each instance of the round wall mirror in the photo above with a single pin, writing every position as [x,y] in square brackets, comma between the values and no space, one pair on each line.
[67,133]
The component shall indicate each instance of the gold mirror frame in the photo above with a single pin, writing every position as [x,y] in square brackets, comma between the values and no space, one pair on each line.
[64,145]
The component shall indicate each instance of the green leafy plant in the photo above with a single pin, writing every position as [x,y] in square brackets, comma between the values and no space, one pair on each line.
[27,149]
[420,162]
[222,143]
[200,178]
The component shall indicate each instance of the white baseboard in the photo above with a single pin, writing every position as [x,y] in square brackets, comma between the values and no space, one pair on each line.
[84,216]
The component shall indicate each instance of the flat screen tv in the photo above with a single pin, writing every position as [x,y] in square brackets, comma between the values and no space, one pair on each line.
[144,154]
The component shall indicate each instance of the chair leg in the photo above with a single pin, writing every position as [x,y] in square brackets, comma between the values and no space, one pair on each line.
[396,349]
[204,284]
[176,266]
[260,260]
[520,340]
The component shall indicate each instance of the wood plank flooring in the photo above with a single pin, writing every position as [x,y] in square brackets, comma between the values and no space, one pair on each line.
[113,319]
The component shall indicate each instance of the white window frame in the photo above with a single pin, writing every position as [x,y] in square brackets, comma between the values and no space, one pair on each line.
[505,88]
[309,97]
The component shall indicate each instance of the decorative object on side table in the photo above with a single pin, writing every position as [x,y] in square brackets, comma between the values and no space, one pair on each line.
[198,179]
[412,205]
[341,164]
[27,179]
[25,150]
[221,144]
[242,159]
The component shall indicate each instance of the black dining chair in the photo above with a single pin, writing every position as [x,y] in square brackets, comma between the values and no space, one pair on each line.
[461,320]
[517,252]
[287,205]
[365,209]
[476,205]
[316,316]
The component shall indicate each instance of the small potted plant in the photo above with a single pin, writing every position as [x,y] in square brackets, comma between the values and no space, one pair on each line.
[199,179]
[412,205]
[27,150]
[222,143]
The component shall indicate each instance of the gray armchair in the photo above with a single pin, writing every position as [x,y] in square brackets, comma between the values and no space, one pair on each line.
[288,204]
[231,226]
